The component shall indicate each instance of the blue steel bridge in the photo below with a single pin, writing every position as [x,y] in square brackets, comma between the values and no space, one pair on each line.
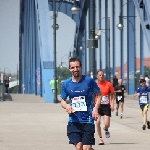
[105,46]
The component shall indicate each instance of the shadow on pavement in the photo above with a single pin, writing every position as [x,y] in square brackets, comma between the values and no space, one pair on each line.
[123,143]
[7,97]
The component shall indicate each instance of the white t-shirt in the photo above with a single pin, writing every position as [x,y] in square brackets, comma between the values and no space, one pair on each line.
[147,81]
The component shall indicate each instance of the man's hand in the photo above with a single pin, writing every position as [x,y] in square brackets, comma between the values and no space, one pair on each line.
[119,91]
[66,106]
[69,109]
[95,114]
[137,94]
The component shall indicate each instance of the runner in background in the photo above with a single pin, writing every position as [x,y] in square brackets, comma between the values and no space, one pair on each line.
[107,105]
[142,93]
[120,90]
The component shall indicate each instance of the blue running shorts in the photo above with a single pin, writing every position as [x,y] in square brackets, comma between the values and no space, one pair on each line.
[81,132]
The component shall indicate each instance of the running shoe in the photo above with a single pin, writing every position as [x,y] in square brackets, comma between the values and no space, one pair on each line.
[107,134]
[101,142]
[148,124]
[144,127]
[116,113]
[121,117]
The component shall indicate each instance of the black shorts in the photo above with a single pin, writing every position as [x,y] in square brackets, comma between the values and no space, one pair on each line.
[81,132]
[104,110]
[119,100]
[144,106]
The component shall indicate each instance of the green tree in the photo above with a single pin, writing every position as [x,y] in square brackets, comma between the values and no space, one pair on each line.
[62,74]
[137,76]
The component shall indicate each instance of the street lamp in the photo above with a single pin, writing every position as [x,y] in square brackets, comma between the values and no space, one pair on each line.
[8,71]
[55,27]
[75,9]
[17,72]
[97,35]
[131,50]
[62,59]
[71,51]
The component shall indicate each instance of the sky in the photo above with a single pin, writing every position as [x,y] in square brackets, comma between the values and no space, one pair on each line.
[65,39]
[9,36]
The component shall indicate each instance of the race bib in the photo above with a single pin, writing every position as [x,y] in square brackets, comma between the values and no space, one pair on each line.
[79,104]
[119,98]
[104,100]
[143,99]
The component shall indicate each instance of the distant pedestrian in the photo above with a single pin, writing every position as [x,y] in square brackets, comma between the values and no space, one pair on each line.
[115,81]
[147,80]
[142,93]
[6,84]
[52,84]
[141,77]
[120,90]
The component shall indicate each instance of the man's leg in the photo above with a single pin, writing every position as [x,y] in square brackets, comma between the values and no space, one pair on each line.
[88,138]
[78,146]
[87,147]
[98,126]
[106,121]
[6,89]
[107,125]
[145,116]
[99,131]
[107,115]
[121,103]
[53,91]
[117,106]
[74,135]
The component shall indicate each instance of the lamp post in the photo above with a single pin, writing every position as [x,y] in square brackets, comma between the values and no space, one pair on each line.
[62,59]
[83,50]
[54,45]
[92,43]
[120,27]
[75,9]
[131,49]
[55,26]
[5,72]
[107,35]
[71,52]
[17,72]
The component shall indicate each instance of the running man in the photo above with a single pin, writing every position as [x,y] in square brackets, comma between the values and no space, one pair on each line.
[142,93]
[52,84]
[119,90]
[80,89]
[107,105]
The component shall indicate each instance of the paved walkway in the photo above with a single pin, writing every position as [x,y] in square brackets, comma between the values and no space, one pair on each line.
[34,125]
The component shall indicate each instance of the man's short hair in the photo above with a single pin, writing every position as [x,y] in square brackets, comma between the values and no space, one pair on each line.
[73,59]
[142,80]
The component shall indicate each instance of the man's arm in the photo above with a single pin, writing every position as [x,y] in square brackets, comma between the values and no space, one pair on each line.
[95,114]
[63,103]
[66,106]
[98,100]
[112,97]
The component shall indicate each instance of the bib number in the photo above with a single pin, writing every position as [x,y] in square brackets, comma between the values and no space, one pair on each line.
[79,104]
[143,99]
[104,100]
